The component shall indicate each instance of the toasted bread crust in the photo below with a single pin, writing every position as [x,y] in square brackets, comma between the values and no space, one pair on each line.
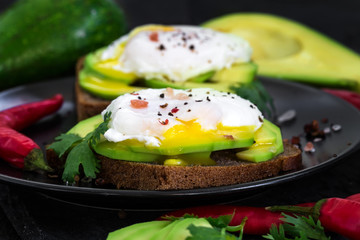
[145,176]
[87,105]
[228,171]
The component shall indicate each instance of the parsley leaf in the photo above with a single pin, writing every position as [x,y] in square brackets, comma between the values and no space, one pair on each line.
[64,143]
[80,154]
[100,130]
[221,221]
[219,231]
[79,151]
[298,227]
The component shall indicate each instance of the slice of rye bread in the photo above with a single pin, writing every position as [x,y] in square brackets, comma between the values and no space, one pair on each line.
[87,105]
[228,171]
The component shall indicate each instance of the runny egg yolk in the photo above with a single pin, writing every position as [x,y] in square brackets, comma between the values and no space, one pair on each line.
[191,133]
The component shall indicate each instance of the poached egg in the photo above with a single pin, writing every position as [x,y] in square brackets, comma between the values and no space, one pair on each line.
[160,117]
[175,53]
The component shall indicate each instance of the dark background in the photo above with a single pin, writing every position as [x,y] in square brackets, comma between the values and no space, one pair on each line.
[26,216]
[339,19]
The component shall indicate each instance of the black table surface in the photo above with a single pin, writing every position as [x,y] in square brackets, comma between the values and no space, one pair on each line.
[29,215]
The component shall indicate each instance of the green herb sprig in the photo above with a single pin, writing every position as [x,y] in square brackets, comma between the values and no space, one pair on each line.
[298,228]
[79,152]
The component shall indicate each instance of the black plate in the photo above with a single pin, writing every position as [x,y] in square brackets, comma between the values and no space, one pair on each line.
[309,103]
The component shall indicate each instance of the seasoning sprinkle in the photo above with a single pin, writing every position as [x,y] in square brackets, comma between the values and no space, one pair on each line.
[164,122]
[162,95]
[207,98]
[164,105]
[161,47]
[230,137]
[170,114]
[159,114]
[185,103]
[154,37]
[198,100]
[189,110]
[174,110]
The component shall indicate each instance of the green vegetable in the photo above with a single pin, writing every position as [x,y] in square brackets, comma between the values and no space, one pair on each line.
[187,227]
[190,227]
[297,227]
[289,50]
[41,39]
[79,151]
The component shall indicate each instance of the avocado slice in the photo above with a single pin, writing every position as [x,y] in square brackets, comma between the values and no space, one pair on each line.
[222,80]
[190,159]
[86,126]
[268,144]
[180,230]
[105,69]
[285,49]
[163,233]
[93,80]
[143,230]
[238,73]
[194,145]
[104,87]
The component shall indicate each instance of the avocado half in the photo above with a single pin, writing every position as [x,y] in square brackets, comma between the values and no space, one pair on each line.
[286,49]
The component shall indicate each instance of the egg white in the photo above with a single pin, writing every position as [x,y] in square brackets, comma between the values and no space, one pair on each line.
[179,54]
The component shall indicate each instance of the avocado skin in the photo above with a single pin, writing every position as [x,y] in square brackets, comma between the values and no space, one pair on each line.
[41,39]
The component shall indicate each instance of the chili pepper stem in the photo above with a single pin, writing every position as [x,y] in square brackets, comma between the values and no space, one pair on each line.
[35,160]
[313,211]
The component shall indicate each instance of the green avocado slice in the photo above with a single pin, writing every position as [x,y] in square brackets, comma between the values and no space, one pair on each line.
[285,49]
[184,148]
[105,70]
[238,73]
[221,80]
[144,230]
[103,87]
[268,144]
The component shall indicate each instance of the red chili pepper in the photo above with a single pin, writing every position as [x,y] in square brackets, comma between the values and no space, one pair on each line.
[355,197]
[17,149]
[349,96]
[22,116]
[337,215]
[259,220]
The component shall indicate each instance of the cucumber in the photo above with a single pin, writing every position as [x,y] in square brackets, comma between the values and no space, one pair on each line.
[42,39]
